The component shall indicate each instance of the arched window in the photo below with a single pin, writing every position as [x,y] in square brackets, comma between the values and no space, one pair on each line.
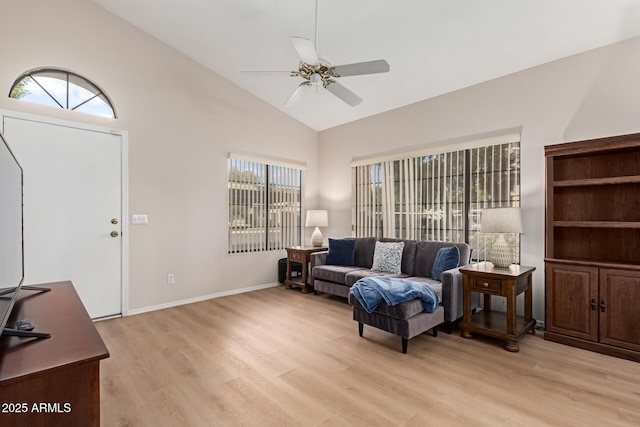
[63,89]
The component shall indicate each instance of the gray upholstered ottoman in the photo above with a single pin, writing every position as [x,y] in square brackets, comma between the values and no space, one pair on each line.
[407,319]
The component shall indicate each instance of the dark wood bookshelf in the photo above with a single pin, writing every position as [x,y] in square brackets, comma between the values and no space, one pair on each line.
[592,245]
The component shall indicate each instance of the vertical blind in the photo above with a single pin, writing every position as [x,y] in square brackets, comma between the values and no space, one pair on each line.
[437,196]
[494,174]
[264,205]
[418,198]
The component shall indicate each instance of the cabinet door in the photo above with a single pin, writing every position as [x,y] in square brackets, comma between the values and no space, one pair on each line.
[571,298]
[620,312]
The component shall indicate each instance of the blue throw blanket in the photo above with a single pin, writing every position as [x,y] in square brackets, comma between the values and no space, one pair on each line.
[371,291]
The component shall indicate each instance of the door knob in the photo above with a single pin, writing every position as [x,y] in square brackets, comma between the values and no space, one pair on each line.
[114,234]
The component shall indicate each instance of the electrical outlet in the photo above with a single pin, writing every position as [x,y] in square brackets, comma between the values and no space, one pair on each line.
[171,279]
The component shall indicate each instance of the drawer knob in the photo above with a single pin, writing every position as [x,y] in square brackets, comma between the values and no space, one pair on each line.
[485,284]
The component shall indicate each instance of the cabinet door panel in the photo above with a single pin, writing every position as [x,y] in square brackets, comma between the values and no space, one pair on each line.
[620,320]
[569,293]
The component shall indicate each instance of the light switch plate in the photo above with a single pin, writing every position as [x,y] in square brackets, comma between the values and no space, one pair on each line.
[139,219]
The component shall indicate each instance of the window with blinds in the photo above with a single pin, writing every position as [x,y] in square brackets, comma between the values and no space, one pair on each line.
[264,205]
[437,196]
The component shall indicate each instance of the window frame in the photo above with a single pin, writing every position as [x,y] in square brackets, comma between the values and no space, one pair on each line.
[80,81]
[276,200]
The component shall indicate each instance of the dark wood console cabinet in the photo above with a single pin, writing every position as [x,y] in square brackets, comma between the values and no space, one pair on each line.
[52,381]
[592,263]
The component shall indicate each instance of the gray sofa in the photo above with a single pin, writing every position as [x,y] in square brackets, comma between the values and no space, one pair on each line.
[417,261]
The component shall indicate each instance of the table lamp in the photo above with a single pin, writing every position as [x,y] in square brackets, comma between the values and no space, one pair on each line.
[317,218]
[501,221]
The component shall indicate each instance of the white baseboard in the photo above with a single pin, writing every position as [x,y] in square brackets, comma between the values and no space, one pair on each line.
[200,298]
[100,319]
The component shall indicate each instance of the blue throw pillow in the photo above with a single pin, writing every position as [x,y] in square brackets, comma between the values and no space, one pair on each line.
[341,252]
[446,259]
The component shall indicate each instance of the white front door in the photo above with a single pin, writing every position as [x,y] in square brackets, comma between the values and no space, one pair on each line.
[72,208]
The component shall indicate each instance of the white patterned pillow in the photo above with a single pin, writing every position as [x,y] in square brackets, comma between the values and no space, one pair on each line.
[387,257]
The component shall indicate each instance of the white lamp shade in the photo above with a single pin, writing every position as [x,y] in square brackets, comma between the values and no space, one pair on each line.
[317,218]
[501,220]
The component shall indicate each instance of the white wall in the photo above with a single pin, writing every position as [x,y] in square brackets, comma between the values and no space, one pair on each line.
[586,96]
[182,120]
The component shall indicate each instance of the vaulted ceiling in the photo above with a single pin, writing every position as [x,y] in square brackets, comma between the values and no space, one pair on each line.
[433,46]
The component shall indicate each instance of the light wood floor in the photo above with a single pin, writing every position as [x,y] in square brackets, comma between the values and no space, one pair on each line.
[277,357]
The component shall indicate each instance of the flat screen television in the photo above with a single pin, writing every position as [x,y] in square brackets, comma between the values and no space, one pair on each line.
[11,241]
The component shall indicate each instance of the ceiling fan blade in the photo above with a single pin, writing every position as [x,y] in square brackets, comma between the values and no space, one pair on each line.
[344,94]
[306,50]
[295,97]
[359,68]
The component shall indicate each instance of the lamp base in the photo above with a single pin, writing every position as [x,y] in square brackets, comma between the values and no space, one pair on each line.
[316,238]
[501,255]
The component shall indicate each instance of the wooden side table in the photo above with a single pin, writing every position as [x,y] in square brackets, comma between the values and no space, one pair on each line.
[301,254]
[505,282]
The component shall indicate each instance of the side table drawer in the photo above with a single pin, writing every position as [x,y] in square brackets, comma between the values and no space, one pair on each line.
[295,256]
[485,285]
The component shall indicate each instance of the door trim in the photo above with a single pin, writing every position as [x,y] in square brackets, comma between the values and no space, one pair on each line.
[124,191]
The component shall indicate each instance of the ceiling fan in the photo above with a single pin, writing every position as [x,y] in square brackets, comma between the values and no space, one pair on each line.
[319,72]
